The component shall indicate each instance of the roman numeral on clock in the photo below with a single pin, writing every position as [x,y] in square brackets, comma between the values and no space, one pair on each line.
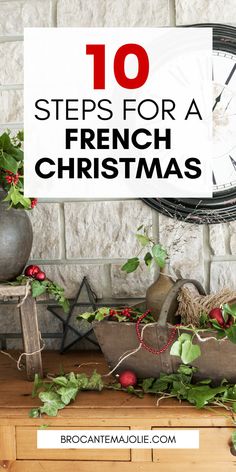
[213,178]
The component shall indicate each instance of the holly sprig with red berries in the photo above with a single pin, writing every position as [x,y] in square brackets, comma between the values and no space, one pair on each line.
[40,284]
[12,171]
[126,314]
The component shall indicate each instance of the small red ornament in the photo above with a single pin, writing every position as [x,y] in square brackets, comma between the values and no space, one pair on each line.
[40,276]
[127,378]
[32,270]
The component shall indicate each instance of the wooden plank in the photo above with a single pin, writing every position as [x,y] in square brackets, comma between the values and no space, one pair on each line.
[30,332]
[141,455]
[7,443]
[214,447]
[75,466]
[12,291]
[26,438]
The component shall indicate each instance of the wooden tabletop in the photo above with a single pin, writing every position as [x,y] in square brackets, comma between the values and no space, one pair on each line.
[16,399]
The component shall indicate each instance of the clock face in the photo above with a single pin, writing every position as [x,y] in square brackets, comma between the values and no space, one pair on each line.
[224,120]
[222,206]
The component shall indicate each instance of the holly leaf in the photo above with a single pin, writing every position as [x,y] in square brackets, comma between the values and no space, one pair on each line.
[52,403]
[231,310]
[5,142]
[7,162]
[190,352]
[160,255]
[231,334]
[131,265]
[37,288]
[142,239]
[17,153]
[148,259]
[20,135]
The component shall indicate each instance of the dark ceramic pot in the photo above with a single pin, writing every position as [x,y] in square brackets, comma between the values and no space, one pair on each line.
[16,237]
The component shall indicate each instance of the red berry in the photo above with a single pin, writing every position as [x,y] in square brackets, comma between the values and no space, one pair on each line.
[216,314]
[40,276]
[127,378]
[34,202]
[32,270]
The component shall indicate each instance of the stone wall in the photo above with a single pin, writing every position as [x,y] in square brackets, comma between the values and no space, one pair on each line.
[77,238]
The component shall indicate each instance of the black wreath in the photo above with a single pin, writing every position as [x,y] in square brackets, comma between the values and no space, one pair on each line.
[222,206]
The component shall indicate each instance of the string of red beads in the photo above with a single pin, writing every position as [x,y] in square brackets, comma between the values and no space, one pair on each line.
[149,348]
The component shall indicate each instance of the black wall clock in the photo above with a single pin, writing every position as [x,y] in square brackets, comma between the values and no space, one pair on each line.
[222,207]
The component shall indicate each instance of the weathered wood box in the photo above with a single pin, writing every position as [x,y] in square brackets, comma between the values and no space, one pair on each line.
[217,360]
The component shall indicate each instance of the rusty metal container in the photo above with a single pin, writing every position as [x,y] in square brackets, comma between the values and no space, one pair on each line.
[217,360]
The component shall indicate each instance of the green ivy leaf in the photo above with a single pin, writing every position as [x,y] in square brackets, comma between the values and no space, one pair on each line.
[186,370]
[184,337]
[176,349]
[142,239]
[34,413]
[95,382]
[82,381]
[67,394]
[99,316]
[148,259]
[131,265]
[160,255]
[86,316]
[37,288]
[63,381]
[38,383]
[190,352]
[147,383]
[200,395]
[52,403]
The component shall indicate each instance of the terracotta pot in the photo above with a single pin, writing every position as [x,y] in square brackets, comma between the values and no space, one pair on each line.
[157,293]
[16,237]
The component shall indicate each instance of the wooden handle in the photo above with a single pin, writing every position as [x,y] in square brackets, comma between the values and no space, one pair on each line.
[170,304]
